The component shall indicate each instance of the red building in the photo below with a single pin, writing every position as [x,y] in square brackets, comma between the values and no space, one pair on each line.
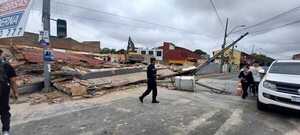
[296,57]
[178,55]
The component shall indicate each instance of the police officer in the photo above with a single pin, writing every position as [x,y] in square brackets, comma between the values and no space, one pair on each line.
[152,86]
[7,81]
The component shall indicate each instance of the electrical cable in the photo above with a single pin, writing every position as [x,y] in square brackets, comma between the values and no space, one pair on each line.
[128,18]
[274,28]
[217,13]
[270,20]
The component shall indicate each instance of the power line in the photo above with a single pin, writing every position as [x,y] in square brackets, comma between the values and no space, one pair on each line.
[275,17]
[274,28]
[121,24]
[217,13]
[128,18]
[103,21]
[272,19]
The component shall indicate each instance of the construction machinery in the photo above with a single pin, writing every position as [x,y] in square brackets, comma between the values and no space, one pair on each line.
[132,56]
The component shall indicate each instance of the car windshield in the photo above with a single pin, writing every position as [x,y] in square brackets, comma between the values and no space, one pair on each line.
[285,68]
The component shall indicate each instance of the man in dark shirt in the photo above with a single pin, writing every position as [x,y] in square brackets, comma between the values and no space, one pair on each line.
[246,80]
[152,86]
[7,81]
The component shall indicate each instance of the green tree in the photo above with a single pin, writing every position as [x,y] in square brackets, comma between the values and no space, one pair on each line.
[113,51]
[105,51]
[200,52]
[263,59]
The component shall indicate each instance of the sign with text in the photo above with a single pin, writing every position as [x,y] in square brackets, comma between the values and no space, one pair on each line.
[44,38]
[13,17]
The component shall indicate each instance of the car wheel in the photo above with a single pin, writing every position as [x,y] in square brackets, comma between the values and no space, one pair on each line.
[261,106]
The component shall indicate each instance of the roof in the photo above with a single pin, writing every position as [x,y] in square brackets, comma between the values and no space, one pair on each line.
[33,55]
[290,61]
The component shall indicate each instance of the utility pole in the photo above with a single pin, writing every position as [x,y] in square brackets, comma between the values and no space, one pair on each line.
[232,59]
[220,53]
[46,28]
[223,46]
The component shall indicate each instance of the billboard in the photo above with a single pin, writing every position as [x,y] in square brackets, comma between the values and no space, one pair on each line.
[13,17]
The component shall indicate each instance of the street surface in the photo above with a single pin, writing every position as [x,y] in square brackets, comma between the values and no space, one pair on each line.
[180,113]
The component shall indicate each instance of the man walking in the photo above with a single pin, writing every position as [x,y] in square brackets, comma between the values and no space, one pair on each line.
[152,86]
[7,81]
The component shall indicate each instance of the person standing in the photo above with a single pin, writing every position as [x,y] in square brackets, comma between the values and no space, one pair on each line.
[246,80]
[7,82]
[151,81]
[255,70]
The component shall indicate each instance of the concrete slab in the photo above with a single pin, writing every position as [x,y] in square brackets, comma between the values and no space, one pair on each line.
[112,72]
[228,82]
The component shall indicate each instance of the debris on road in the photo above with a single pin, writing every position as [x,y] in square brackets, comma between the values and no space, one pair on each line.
[80,75]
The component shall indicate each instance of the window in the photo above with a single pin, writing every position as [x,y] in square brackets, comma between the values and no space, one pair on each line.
[286,68]
[158,53]
[143,52]
[150,52]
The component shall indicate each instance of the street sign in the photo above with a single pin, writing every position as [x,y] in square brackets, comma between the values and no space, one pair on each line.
[13,17]
[44,38]
[61,28]
[48,55]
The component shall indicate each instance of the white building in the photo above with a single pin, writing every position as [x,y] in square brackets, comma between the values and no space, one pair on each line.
[156,53]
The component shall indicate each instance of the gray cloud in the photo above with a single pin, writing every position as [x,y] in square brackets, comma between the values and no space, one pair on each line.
[197,18]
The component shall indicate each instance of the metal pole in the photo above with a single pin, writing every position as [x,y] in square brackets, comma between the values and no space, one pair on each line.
[46,25]
[223,46]
[232,59]
[219,54]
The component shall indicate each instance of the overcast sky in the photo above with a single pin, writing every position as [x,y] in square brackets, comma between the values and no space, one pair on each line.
[193,23]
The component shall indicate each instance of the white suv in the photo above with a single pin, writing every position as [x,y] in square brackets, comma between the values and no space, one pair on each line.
[281,85]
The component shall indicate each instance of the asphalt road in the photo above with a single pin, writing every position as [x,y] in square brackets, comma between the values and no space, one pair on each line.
[180,113]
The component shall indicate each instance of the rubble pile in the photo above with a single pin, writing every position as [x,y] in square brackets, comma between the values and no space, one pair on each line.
[72,88]
[74,74]
[34,56]
[24,79]
[28,63]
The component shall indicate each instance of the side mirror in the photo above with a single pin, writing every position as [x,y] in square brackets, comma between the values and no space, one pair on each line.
[262,71]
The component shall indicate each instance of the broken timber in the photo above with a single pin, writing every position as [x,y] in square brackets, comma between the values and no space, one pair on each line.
[215,90]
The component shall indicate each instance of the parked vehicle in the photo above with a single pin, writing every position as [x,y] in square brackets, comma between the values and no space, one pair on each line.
[281,85]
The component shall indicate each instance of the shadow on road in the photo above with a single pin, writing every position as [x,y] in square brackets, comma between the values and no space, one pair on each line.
[283,112]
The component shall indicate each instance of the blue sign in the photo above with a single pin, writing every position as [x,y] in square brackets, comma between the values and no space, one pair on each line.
[48,55]
[10,21]
[44,43]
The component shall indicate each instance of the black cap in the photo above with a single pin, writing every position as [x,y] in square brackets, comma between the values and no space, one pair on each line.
[152,60]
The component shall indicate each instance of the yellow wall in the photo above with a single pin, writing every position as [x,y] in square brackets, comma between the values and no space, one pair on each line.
[236,60]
